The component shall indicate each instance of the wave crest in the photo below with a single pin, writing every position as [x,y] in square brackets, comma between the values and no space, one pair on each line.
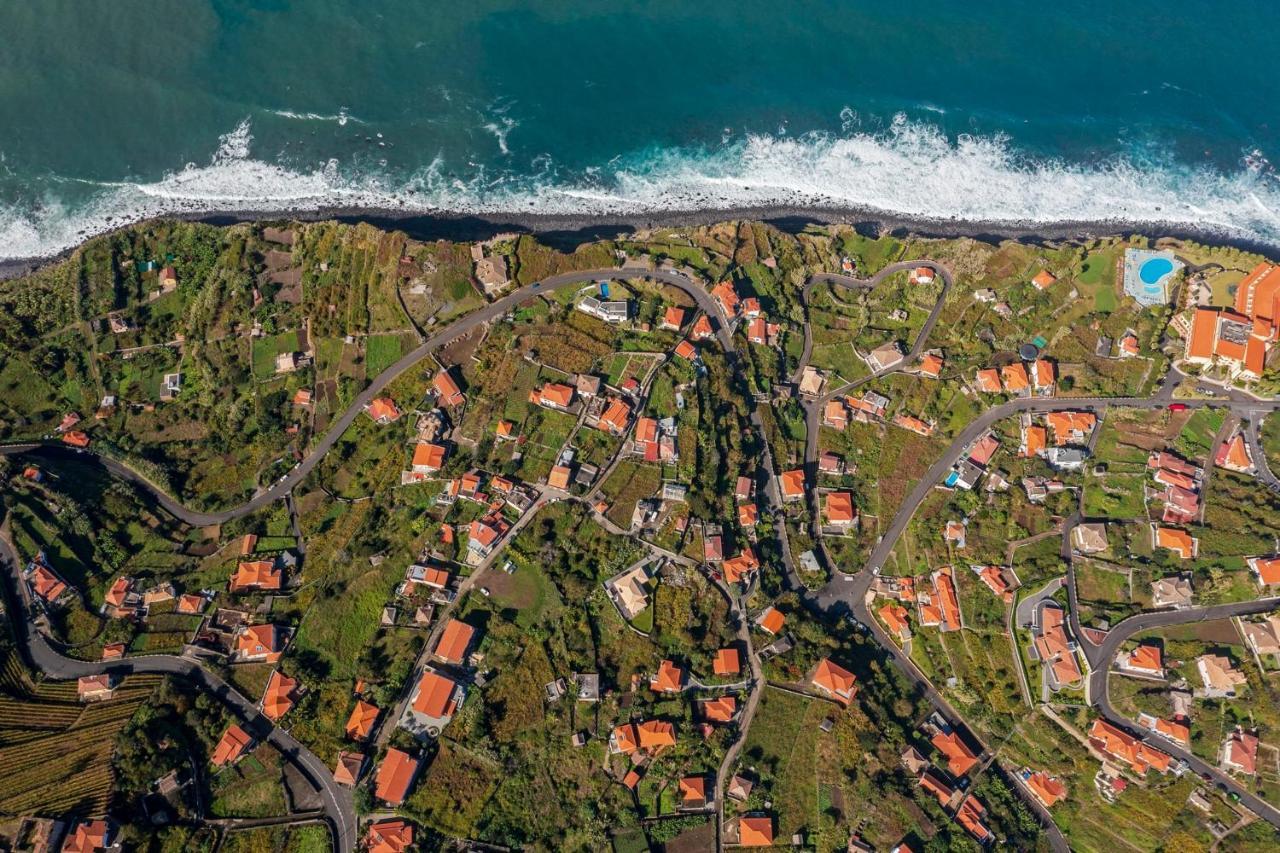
[910,169]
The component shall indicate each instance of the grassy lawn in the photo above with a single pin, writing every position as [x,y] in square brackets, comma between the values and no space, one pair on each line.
[250,788]
[782,745]
[629,483]
[266,349]
[381,351]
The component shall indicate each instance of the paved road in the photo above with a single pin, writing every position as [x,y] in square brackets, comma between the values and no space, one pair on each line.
[338,804]
[1254,442]
[813,407]
[455,330]
[1101,657]
[848,593]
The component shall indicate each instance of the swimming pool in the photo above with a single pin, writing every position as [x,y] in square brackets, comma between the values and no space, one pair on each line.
[1155,269]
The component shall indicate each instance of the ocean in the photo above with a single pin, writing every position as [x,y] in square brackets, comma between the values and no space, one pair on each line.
[997,112]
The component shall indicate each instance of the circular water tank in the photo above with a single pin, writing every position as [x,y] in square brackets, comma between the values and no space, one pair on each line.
[1028,352]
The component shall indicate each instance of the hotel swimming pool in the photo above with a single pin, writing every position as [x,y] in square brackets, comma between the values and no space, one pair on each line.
[1147,275]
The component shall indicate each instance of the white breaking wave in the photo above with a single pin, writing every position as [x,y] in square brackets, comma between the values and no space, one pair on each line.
[910,170]
[341,118]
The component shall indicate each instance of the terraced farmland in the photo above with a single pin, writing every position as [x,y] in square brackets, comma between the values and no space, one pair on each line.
[56,752]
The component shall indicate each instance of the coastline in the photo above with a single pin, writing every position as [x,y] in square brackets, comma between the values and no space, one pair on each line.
[567,231]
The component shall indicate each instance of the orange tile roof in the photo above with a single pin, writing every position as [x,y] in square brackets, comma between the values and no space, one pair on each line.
[1047,789]
[189,604]
[1033,440]
[395,775]
[256,574]
[360,723]
[727,296]
[933,783]
[259,641]
[383,408]
[389,836]
[1129,345]
[994,578]
[120,588]
[755,831]
[748,515]
[1242,751]
[46,584]
[960,759]
[673,317]
[1069,426]
[113,651]
[76,438]
[1014,376]
[655,734]
[834,679]
[1045,373]
[693,789]
[701,328]
[1147,657]
[757,331]
[1268,569]
[922,275]
[835,415]
[233,744]
[347,769]
[435,694]
[428,456]
[556,394]
[840,508]
[913,423]
[559,477]
[668,678]
[792,483]
[989,380]
[624,739]
[895,618]
[615,416]
[727,662]
[720,710]
[446,389]
[1178,541]
[454,641]
[1044,279]
[279,695]
[1172,728]
[302,397]
[771,619]
[1234,454]
[970,817]
[686,350]
[950,603]
[735,568]
[89,836]
[504,429]
[1204,332]
[1125,747]
[931,365]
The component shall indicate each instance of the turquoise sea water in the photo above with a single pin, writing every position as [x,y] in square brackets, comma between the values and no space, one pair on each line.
[1003,110]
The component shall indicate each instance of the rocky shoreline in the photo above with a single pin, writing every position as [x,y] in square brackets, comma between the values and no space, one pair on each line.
[567,231]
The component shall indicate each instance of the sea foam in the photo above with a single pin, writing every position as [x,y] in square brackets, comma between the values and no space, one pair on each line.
[907,169]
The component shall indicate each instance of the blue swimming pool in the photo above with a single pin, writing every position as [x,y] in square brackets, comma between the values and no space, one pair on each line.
[1155,269]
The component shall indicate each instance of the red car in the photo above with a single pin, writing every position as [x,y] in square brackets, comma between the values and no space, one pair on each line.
[1177,407]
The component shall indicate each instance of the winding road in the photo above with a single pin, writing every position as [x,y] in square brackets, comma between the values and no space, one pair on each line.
[339,807]
[845,594]
[1100,658]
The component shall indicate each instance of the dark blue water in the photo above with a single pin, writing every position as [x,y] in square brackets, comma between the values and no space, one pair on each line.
[1003,110]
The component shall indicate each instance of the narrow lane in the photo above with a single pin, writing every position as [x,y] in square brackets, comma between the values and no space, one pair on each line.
[338,803]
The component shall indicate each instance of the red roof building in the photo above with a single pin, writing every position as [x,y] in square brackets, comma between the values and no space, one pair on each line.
[453,644]
[233,744]
[395,776]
